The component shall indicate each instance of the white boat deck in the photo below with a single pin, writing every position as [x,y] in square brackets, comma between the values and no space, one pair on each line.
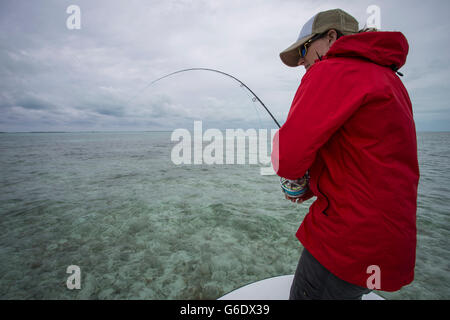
[276,288]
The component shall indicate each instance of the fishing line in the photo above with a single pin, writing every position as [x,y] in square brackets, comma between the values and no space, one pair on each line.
[255,97]
[292,188]
[253,100]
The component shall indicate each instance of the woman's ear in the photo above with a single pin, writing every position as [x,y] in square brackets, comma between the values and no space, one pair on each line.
[331,36]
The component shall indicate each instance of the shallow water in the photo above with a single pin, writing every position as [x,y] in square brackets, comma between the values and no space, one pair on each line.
[141,227]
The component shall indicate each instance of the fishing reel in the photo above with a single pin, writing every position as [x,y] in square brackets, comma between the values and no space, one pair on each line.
[295,188]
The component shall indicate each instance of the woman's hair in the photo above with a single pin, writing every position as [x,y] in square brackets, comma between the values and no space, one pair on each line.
[365,29]
[339,34]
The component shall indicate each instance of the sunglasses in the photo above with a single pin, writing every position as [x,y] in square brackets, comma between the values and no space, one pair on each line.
[303,50]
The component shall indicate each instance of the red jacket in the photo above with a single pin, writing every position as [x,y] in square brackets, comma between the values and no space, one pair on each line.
[351,124]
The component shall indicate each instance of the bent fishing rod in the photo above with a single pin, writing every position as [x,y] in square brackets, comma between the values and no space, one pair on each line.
[295,189]
[223,73]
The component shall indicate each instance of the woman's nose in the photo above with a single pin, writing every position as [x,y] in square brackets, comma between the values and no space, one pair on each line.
[301,61]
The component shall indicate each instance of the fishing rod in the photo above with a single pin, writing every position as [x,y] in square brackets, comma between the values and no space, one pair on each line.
[292,188]
[226,74]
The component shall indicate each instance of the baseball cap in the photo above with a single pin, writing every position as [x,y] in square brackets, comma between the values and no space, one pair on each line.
[323,21]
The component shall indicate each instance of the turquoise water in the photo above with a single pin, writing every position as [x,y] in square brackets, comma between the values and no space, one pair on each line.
[140,227]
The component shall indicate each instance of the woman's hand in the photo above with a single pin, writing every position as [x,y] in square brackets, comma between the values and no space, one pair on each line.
[301,199]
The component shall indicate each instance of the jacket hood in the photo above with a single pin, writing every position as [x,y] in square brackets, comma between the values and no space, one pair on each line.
[384,48]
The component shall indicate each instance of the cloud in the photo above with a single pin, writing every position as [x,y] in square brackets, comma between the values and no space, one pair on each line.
[52,78]
[34,103]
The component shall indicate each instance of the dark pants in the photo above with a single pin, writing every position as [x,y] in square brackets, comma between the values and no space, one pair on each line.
[312,281]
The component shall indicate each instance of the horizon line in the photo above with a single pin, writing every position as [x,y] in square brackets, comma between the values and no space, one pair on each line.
[118,131]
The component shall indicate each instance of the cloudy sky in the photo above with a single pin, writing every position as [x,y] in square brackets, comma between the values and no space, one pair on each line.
[97,78]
